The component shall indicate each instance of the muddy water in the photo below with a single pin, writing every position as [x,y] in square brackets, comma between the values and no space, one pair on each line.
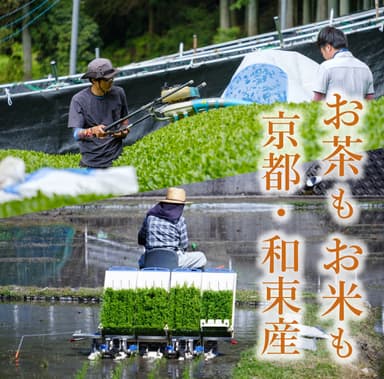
[46,350]
[73,247]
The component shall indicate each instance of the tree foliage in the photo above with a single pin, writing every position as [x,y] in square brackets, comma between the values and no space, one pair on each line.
[131,30]
[52,39]
[137,30]
[7,26]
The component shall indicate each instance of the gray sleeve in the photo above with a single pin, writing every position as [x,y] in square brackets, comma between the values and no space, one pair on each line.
[75,116]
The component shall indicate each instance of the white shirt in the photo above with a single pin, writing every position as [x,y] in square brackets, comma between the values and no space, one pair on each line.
[346,75]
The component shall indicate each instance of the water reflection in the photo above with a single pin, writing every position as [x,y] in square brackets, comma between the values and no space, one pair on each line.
[76,245]
[47,352]
[52,355]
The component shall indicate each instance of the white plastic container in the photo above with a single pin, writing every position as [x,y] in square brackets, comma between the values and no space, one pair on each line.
[121,277]
[218,280]
[154,278]
[181,277]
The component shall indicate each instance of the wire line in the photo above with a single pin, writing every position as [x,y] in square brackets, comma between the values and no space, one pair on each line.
[24,15]
[8,37]
[16,10]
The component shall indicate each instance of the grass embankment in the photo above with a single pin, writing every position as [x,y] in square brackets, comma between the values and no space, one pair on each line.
[320,364]
[211,145]
[25,293]
[20,293]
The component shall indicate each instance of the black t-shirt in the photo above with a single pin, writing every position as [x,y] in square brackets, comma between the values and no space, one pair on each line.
[87,110]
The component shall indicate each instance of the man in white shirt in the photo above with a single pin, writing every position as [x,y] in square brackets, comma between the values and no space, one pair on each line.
[341,72]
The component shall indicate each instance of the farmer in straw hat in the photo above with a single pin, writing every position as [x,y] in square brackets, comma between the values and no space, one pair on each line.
[164,227]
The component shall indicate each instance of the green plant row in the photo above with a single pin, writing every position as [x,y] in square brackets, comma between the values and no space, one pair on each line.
[142,310]
[211,145]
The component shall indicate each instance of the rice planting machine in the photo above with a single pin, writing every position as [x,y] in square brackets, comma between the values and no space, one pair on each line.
[156,312]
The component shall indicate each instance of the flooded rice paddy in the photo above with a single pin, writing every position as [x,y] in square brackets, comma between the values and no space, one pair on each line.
[53,355]
[73,247]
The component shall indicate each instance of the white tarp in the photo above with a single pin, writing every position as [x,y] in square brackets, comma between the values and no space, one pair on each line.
[15,185]
[270,76]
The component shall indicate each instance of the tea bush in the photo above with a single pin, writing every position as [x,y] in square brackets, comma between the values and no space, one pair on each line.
[215,144]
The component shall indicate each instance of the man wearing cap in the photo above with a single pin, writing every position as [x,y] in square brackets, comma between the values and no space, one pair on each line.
[164,227]
[92,109]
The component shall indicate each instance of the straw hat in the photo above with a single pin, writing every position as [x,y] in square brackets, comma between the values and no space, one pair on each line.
[175,196]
